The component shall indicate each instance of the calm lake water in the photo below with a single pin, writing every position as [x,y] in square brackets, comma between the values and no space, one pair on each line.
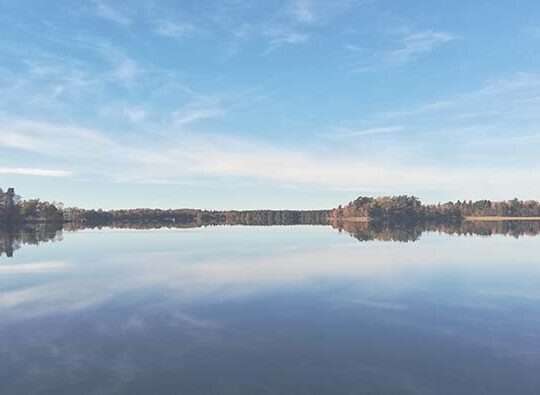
[270,310]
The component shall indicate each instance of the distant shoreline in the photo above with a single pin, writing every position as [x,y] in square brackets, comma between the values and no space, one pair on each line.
[15,211]
[467,218]
[354,219]
[500,218]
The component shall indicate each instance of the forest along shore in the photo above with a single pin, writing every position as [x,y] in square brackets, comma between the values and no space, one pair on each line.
[15,211]
[411,209]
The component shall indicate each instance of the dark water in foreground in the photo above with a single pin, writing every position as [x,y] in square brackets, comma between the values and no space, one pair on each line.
[270,310]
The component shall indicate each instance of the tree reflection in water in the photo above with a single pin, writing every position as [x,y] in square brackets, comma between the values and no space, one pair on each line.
[13,238]
[404,232]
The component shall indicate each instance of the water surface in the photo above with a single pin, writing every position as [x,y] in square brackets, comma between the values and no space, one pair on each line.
[270,310]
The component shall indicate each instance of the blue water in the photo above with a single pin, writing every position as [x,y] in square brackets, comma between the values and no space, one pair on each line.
[270,310]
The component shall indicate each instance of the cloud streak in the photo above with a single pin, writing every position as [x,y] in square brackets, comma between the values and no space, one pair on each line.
[35,172]
[418,43]
[282,35]
[303,12]
[186,156]
[342,133]
[167,28]
[112,13]
[409,46]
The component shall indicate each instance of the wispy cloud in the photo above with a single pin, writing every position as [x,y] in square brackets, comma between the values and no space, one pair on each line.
[299,20]
[320,12]
[422,109]
[179,156]
[302,10]
[281,35]
[126,71]
[284,35]
[167,28]
[417,44]
[52,139]
[340,133]
[135,114]
[113,13]
[57,85]
[408,46]
[195,112]
[496,124]
[183,156]
[514,95]
[29,171]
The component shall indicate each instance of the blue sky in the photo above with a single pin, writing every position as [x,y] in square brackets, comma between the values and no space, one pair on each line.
[268,104]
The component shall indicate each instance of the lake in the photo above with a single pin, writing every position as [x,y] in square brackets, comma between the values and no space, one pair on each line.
[271,310]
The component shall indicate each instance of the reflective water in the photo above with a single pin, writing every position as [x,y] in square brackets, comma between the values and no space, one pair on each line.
[271,310]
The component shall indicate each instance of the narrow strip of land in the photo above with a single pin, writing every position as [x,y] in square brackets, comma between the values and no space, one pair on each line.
[501,218]
[354,219]
[467,218]
[15,211]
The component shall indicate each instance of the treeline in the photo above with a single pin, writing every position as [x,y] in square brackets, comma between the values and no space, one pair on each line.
[487,208]
[16,211]
[277,217]
[410,208]
[395,209]
[141,218]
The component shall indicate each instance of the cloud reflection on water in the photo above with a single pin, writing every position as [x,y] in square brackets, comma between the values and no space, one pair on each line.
[231,268]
